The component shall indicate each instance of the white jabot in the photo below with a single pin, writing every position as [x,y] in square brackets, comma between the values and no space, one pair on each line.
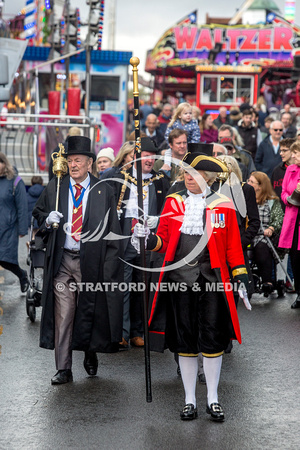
[193,214]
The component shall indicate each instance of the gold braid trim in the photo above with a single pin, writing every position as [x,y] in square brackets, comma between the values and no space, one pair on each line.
[239,271]
[124,186]
[212,355]
[178,197]
[144,183]
[158,245]
[221,199]
[191,355]
[221,164]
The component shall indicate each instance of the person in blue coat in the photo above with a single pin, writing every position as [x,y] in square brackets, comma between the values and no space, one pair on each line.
[33,194]
[13,219]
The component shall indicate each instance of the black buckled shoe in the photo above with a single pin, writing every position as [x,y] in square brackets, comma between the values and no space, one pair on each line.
[90,363]
[216,412]
[62,377]
[189,412]
[24,282]
[296,303]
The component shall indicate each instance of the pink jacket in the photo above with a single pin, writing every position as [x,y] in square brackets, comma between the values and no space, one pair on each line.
[289,184]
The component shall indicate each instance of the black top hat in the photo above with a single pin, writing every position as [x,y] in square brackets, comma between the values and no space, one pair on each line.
[200,161]
[80,145]
[201,147]
[147,145]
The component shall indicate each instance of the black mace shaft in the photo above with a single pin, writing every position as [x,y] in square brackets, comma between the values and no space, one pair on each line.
[135,62]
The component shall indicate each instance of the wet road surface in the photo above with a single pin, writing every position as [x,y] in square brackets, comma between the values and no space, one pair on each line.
[259,389]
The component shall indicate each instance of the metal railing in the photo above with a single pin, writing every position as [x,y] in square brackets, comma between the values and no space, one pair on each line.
[29,139]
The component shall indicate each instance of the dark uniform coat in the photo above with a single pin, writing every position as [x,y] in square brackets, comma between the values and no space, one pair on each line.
[99,315]
[121,185]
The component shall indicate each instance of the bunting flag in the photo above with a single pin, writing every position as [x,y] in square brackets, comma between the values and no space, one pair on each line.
[100,25]
[273,17]
[190,18]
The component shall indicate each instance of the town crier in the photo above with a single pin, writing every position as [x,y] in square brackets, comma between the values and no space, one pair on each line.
[198,232]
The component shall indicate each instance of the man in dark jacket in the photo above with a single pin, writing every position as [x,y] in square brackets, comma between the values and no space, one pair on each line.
[268,156]
[249,133]
[289,131]
[78,311]
[223,118]
[152,131]
[155,187]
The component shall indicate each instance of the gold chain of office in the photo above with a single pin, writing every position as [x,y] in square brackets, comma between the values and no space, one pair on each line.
[145,183]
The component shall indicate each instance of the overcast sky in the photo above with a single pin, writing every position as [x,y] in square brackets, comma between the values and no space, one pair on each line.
[139,23]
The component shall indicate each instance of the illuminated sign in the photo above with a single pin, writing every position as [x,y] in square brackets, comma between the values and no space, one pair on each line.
[192,39]
[190,45]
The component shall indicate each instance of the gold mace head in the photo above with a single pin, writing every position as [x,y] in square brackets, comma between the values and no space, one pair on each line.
[134,61]
[60,165]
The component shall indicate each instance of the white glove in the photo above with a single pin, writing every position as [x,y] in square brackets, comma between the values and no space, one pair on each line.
[152,221]
[119,212]
[54,217]
[139,231]
[167,157]
[244,296]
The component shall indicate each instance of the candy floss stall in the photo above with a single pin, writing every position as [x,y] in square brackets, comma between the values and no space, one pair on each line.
[108,97]
[215,65]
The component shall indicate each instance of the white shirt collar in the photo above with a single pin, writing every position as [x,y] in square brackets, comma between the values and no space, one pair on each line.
[144,175]
[84,183]
[202,195]
[148,133]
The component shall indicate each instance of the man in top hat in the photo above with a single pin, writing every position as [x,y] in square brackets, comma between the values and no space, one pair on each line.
[77,315]
[199,235]
[155,187]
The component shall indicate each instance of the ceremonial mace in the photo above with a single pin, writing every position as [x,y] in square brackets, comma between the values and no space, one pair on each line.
[134,61]
[60,168]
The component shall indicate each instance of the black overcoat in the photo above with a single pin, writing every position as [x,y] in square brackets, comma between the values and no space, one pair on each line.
[99,314]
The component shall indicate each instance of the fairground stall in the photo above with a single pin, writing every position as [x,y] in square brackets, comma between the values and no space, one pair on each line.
[216,65]
[40,115]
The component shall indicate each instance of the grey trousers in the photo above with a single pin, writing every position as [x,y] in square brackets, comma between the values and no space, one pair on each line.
[65,303]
